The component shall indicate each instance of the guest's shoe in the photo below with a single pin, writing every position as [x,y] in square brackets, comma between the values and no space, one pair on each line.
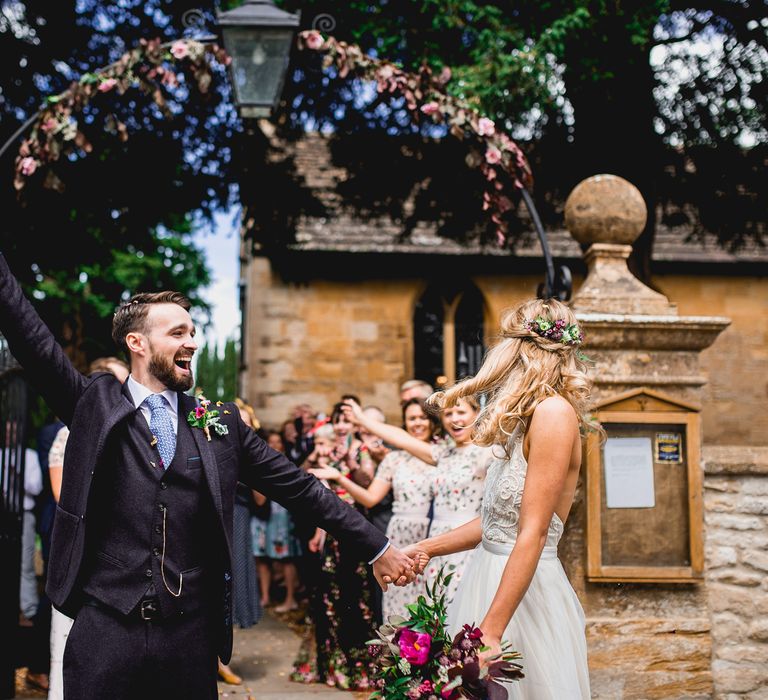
[284,608]
[38,681]
[228,675]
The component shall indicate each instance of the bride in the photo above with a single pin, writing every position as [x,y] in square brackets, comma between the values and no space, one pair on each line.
[536,388]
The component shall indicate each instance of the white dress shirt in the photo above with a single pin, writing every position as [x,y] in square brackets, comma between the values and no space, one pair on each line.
[139,393]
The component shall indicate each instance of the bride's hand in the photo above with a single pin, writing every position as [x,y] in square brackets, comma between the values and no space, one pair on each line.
[491,654]
[419,554]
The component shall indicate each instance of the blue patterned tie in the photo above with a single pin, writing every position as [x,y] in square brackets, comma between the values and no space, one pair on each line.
[162,428]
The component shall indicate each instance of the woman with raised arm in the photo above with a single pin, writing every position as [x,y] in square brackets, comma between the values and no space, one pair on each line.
[536,385]
[410,480]
[456,487]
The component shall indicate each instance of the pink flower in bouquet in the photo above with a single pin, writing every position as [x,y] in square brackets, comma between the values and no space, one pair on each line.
[430,108]
[414,646]
[427,686]
[199,411]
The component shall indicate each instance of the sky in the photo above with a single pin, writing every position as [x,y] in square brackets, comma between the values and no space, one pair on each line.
[221,244]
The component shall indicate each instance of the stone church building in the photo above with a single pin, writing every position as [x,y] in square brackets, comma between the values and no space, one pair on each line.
[353,299]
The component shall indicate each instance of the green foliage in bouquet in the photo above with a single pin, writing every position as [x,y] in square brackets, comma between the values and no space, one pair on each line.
[417,660]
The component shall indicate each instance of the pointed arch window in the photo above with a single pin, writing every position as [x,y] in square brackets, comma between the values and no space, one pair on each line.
[448,333]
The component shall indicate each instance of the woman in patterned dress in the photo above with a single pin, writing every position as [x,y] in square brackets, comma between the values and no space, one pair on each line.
[275,544]
[342,606]
[410,481]
[458,477]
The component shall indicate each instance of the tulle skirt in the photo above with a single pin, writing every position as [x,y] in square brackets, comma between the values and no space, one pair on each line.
[547,627]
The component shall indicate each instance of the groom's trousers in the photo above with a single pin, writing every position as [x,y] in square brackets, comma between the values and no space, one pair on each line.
[110,656]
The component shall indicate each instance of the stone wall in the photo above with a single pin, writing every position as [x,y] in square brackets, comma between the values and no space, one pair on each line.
[645,641]
[314,342]
[736,365]
[736,530]
[311,342]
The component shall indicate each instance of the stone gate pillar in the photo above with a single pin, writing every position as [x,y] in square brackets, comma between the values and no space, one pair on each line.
[646,640]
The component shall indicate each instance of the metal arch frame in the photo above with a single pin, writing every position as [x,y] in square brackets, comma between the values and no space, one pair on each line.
[558,282]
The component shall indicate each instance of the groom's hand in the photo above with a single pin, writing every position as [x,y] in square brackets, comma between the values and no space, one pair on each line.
[393,567]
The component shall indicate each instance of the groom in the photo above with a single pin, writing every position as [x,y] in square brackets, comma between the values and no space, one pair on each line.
[141,553]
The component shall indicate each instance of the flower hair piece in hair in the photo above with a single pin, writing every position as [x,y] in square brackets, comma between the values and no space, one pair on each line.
[319,424]
[559,331]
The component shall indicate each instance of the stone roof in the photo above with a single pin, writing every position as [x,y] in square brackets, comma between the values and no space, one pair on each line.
[343,228]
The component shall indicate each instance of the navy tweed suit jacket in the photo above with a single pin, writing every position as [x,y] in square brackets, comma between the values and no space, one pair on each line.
[93,406]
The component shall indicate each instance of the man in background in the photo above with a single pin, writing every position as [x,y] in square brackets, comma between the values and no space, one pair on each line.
[415,389]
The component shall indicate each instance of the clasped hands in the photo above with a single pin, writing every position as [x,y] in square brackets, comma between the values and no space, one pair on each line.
[400,567]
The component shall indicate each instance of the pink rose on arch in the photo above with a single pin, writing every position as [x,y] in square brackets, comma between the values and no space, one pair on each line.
[486,127]
[430,108]
[107,85]
[28,166]
[179,50]
[414,646]
[493,155]
[314,40]
[199,411]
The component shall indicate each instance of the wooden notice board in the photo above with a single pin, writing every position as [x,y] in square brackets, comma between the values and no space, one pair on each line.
[644,491]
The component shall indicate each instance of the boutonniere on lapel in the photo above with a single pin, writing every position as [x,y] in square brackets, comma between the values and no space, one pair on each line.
[205,418]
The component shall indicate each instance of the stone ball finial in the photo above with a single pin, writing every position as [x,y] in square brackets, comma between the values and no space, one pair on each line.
[605,209]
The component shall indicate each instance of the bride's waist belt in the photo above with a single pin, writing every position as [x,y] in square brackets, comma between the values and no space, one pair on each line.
[422,513]
[455,518]
[549,552]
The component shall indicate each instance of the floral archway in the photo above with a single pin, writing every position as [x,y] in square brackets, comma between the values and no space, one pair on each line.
[154,67]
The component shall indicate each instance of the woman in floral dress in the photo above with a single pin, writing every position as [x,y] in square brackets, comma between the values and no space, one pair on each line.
[342,606]
[410,481]
[457,480]
[274,542]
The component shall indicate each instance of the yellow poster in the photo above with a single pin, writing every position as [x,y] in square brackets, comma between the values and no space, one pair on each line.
[669,447]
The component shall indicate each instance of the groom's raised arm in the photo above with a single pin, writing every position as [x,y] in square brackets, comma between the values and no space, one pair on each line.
[46,365]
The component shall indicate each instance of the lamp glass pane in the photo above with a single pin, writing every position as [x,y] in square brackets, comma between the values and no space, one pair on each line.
[259,58]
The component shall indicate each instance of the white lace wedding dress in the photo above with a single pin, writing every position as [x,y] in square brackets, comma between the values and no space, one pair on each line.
[548,626]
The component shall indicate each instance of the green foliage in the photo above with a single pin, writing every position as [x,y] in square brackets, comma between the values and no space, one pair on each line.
[575,79]
[123,223]
[509,57]
[216,374]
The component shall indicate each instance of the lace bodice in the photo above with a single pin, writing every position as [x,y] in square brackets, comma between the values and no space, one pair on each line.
[503,495]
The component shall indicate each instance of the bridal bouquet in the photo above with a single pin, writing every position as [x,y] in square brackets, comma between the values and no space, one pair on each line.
[416,659]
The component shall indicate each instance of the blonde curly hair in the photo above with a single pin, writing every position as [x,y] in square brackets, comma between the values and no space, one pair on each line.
[520,371]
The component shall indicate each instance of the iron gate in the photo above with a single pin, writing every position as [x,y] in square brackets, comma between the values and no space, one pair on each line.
[13,429]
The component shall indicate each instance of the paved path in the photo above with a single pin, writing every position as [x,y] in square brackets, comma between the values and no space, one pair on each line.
[263,656]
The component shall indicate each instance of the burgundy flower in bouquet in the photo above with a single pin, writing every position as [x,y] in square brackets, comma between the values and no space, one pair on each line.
[417,660]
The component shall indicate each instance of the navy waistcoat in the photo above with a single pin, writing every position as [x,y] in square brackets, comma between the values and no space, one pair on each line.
[150,524]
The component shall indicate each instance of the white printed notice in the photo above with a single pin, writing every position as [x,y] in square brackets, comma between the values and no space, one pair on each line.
[629,473]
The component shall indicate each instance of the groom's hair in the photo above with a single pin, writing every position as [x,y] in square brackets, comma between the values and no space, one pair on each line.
[131,317]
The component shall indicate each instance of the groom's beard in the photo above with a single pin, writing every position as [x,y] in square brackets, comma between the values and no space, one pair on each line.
[165,372]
